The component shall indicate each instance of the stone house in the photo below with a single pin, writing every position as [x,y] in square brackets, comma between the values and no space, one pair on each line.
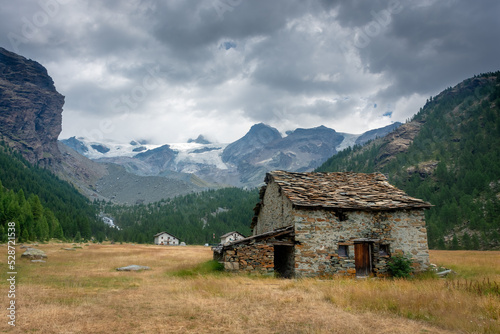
[166,239]
[230,237]
[327,224]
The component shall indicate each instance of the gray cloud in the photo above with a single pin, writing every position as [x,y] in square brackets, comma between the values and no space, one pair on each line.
[173,69]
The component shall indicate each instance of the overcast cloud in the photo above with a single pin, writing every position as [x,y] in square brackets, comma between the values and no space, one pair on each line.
[167,71]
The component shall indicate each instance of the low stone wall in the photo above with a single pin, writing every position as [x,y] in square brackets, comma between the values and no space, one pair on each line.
[255,257]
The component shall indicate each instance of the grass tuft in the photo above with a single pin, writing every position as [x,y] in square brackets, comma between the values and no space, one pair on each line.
[211,267]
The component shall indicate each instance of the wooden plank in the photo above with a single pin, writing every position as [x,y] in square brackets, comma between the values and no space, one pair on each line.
[282,243]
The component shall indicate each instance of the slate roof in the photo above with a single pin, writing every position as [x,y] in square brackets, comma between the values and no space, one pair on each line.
[345,190]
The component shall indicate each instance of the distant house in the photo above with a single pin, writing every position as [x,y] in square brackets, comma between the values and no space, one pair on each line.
[166,239]
[327,224]
[230,237]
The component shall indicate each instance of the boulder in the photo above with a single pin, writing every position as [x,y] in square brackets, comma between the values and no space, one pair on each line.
[33,253]
[133,267]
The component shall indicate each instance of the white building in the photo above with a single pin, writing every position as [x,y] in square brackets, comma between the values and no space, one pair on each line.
[164,238]
[230,237]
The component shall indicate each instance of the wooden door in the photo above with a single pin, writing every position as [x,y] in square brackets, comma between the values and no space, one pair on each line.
[362,258]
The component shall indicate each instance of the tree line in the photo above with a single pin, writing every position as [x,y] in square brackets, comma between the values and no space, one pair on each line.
[196,218]
[42,205]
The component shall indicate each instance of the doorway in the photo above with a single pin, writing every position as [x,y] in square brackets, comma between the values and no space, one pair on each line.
[363,258]
[284,261]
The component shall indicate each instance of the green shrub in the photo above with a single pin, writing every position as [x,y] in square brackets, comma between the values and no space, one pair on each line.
[400,266]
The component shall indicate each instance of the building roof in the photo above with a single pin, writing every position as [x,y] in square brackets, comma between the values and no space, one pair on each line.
[229,233]
[283,232]
[344,190]
[170,234]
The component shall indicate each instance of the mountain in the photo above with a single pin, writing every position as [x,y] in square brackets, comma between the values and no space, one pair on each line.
[256,138]
[30,109]
[449,155]
[199,140]
[242,163]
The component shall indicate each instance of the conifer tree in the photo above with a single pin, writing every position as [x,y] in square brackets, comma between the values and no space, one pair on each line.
[78,237]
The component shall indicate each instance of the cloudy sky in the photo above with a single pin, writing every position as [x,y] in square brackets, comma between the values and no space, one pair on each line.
[170,70]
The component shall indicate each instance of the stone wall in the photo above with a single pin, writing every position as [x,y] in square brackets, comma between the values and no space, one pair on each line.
[276,211]
[319,234]
[255,257]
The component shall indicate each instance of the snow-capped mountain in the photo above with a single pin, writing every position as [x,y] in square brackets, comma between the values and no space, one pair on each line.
[242,163]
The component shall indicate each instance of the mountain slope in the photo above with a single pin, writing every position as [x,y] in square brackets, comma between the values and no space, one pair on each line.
[72,210]
[30,108]
[194,218]
[449,155]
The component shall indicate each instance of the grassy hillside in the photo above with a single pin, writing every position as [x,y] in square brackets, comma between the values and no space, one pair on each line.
[449,155]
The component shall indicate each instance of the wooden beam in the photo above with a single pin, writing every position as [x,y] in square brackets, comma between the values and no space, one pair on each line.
[282,243]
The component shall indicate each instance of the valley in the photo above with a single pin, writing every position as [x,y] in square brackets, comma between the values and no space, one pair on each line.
[446,154]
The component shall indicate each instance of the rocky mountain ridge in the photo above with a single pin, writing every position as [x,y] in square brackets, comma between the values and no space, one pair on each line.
[30,109]
[242,163]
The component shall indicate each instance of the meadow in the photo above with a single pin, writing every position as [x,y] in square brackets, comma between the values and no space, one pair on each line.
[81,292]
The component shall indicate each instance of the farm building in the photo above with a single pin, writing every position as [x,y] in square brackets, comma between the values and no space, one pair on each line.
[164,238]
[230,237]
[325,224]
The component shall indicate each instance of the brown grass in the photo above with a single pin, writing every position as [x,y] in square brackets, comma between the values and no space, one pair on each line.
[81,292]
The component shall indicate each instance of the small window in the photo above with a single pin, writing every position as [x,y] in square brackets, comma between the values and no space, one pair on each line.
[341,216]
[343,250]
[384,250]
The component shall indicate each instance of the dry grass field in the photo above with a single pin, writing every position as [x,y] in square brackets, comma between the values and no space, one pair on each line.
[81,292]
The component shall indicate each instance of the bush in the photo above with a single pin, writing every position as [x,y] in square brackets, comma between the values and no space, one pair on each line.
[400,266]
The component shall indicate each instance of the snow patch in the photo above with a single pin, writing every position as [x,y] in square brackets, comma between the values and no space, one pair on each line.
[192,154]
[349,141]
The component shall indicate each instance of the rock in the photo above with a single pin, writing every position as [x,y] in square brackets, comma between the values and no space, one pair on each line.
[33,253]
[133,267]
[38,261]
[200,140]
[446,273]
[397,142]
[424,169]
[31,109]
